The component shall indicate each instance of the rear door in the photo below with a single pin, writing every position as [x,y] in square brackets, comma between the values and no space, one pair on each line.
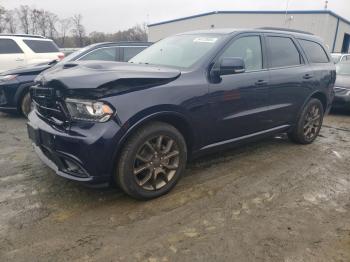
[290,78]
[11,55]
[41,50]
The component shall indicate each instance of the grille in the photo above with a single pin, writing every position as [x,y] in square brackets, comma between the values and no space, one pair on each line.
[49,104]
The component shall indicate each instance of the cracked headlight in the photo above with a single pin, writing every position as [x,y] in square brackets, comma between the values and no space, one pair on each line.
[86,110]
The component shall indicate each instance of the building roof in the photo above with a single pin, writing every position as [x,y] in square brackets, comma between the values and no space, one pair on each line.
[255,12]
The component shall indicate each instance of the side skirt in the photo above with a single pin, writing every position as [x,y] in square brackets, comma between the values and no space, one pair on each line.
[264,133]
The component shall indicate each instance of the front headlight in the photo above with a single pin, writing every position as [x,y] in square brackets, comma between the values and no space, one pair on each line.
[6,78]
[86,110]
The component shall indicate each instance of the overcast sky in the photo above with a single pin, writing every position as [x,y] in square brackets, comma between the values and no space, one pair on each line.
[113,15]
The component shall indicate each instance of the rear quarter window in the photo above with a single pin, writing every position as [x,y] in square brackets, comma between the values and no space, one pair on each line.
[8,46]
[314,51]
[40,46]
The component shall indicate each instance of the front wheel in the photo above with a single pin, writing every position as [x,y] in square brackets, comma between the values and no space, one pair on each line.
[309,123]
[152,161]
[26,104]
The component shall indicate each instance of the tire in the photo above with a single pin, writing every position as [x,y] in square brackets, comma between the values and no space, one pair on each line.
[26,104]
[162,162]
[309,123]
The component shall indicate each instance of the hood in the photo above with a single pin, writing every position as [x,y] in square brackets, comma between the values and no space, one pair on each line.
[107,76]
[27,70]
[342,81]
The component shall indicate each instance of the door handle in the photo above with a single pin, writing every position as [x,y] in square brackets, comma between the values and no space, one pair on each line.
[308,76]
[19,59]
[261,83]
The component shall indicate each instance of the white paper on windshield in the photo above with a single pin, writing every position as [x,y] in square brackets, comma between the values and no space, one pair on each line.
[205,40]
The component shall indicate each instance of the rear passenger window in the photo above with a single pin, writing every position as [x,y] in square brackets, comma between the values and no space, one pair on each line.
[8,46]
[283,52]
[130,52]
[249,49]
[40,46]
[314,51]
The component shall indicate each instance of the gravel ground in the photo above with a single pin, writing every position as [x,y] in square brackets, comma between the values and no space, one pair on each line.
[269,201]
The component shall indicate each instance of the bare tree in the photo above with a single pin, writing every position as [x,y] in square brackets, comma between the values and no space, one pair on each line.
[63,26]
[34,20]
[2,19]
[11,22]
[52,20]
[78,29]
[24,18]
[43,22]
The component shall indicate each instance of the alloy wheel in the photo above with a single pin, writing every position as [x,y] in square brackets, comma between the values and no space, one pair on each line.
[156,162]
[313,121]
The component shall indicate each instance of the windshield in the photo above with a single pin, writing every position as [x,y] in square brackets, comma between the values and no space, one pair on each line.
[336,58]
[343,69]
[178,51]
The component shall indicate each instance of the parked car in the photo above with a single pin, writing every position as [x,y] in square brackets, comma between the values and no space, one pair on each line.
[342,86]
[21,50]
[14,84]
[137,123]
[339,57]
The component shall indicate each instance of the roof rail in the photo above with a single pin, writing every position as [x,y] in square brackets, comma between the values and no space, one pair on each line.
[23,35]
[285,29]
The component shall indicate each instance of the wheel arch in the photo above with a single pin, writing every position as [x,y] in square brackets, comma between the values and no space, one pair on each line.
[322,97]
[175,119]
[21,91]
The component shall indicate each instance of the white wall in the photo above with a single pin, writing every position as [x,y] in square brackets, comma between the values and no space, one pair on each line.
[323,25]
[343,28]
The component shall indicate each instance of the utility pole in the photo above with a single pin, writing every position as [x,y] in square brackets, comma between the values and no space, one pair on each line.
[287,7]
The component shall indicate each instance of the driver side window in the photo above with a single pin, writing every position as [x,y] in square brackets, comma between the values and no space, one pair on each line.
[249,49]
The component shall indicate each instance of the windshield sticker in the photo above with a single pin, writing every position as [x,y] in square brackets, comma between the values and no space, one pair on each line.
[205,40]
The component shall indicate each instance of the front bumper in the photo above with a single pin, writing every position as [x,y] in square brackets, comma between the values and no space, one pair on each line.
[8,93]
[82,152]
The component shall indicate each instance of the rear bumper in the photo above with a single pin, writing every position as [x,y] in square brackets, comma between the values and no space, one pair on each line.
[83,153]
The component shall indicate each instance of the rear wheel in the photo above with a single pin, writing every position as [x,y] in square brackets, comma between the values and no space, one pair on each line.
[309,123]
[152,161]
[26,104]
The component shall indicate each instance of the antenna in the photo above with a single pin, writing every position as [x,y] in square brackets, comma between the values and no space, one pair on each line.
[326,5]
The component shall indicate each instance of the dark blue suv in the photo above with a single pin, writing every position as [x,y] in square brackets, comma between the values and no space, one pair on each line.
[138,123]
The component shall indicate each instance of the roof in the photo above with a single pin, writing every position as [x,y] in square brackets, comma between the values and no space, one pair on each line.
[255,12]
[226,31]
[23,35]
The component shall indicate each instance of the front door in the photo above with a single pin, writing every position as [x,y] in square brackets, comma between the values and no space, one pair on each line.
[239,102]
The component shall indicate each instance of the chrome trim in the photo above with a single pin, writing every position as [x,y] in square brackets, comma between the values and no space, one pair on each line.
[245,137]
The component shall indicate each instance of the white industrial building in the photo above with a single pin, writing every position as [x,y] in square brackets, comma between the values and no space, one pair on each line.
[334,29]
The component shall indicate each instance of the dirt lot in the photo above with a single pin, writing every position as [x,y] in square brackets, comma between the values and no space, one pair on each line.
[270,201]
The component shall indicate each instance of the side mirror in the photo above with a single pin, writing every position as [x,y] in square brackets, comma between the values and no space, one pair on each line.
[231,65]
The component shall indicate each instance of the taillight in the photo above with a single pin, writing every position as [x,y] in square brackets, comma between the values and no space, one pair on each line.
[60,56]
